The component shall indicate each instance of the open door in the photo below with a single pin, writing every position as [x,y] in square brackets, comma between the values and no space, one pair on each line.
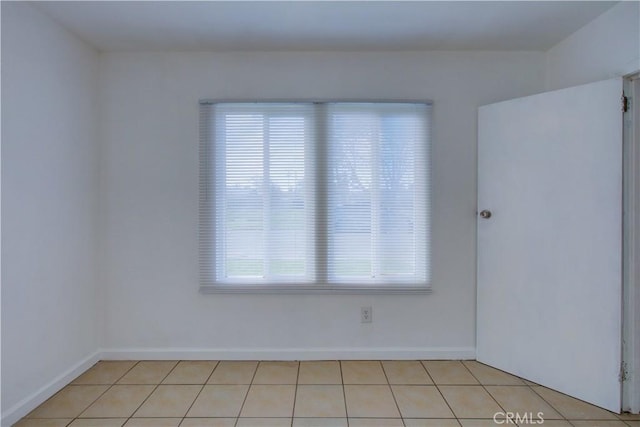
[550,239]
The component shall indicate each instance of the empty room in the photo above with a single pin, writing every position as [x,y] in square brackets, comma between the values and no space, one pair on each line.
[320,213]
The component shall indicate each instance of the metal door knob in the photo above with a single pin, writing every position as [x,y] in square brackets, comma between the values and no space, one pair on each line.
[485,214]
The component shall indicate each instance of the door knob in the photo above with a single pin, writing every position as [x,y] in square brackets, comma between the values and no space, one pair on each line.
[485,214]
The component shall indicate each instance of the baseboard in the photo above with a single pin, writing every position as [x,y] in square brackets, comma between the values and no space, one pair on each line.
[351,353]
[29,403]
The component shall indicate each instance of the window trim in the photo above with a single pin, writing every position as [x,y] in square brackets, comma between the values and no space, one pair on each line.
[207,208]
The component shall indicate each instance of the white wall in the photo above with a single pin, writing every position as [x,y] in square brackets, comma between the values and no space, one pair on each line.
[150,190]
[49,206]
[607,47]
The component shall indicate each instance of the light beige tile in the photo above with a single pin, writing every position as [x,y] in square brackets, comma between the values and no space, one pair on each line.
[98,422]
[413,422]
[153,422]
[276,373]
[600,423]
[118,401]
[269,401]
[420,402]
[50,422]
[264,422]
[501,421]
[363,372]
[632,423]
[208,422]
[522,400]
[148,372]
[470,401]
[191,372]
[219,401]
[105,372]
[406,372]
[320,401]
[487,375]
[375,422]
[573,409]
[169,401]
[325,372]
[483,423]
[370,401]
[551,423]
[320,422]
[69,402]
[449,372]
[228,372]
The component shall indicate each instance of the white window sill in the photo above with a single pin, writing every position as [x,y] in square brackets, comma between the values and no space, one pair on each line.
[316,289]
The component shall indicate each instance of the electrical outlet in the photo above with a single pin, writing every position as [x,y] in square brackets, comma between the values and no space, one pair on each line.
[366,315]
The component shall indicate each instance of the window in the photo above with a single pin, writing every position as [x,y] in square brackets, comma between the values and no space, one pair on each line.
[314,196]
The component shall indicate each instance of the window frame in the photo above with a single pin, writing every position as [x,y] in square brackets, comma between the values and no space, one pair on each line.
[207,206]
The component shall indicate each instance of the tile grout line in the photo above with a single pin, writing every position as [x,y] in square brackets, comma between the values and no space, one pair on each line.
[384,372]
[110,386]
[440,391]
[196,398]
[152,391]
[427,371]
[483,386]
[199,393]
[247,394]
[27,417]
[344,393]
[201,390]
[295,394]
[88,406]
[116,382]
[549,403]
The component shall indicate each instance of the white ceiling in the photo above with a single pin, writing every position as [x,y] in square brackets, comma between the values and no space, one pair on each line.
[323,25]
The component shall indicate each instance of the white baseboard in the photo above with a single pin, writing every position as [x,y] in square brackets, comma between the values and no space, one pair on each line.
[350,353]
[29,403]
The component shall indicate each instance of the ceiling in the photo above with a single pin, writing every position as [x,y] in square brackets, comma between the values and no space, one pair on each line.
[323,25]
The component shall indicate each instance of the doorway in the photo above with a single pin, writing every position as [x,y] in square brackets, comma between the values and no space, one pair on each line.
[630,373]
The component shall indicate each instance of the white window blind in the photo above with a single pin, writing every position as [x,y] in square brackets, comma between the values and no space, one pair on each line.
[263,204]
[324,196]
[378,193]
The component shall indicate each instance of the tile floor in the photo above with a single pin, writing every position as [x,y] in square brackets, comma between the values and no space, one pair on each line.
[309,394]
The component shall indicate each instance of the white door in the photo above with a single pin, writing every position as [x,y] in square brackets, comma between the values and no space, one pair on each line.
[549,256]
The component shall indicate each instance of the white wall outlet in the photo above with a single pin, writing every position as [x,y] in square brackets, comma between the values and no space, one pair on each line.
[366,314]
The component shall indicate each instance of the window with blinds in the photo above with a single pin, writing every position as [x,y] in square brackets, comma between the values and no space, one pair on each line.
[315,196]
